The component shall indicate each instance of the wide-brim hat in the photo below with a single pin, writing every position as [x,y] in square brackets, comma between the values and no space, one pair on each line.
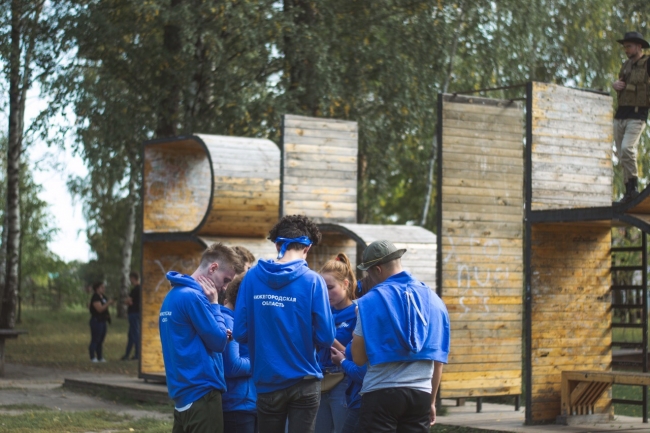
[634,37]
[378,253]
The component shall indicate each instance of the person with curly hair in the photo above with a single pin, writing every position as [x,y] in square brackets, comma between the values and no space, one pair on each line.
[283,314]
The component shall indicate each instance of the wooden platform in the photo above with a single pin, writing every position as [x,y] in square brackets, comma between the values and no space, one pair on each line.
[503,418]
[127,386]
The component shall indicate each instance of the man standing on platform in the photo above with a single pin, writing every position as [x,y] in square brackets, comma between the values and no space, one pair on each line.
[193,335]
[403,334]
[633,89]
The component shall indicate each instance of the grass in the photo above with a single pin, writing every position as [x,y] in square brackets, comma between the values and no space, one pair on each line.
[50,422]
[628,393]
[441,428]
[60,339]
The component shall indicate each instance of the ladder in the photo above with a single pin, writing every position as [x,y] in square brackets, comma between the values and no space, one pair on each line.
[630,309]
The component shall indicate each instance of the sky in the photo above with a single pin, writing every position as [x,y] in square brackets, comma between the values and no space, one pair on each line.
[52,167]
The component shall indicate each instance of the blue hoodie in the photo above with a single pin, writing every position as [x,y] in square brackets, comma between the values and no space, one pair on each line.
[355,375]
[282,313]
[241,394]
[403,320]
[191,330]
[344,320]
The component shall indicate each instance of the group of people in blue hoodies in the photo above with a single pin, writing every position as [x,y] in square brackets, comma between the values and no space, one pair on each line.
[294,350]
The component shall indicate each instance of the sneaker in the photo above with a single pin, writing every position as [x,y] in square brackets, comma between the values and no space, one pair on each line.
[101,360]
[94,360]
[135,358]
[124,358]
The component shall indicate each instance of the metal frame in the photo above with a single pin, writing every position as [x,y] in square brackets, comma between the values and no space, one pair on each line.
[528,193]
[643,249]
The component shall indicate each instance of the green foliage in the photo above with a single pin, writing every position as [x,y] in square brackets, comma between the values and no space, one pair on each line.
[154,68]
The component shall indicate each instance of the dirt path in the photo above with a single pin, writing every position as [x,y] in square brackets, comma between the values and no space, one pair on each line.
[41,386]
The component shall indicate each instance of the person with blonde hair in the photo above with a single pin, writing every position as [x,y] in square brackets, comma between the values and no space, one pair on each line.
[193,335]
[339,277]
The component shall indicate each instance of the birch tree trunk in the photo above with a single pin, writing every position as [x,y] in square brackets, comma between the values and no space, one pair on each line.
[14,150]
[129,236]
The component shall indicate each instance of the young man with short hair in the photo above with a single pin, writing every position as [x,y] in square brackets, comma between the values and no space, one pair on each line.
[193,335]
[283,313]
[403,335]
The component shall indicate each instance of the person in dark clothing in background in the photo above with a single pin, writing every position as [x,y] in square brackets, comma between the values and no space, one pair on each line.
[133,311]
[99,317]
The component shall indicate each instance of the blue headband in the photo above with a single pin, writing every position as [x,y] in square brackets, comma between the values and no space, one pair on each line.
[286,241]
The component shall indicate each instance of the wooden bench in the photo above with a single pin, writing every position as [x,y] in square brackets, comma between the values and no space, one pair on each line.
[5,334]
[582,389]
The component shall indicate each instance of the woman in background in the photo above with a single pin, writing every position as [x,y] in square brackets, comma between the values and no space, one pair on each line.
[99,319]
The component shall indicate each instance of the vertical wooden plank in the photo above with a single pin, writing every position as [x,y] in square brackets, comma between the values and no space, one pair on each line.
[481,230]
[319,163]
[572,137]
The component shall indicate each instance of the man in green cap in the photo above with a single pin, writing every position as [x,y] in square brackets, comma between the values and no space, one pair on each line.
[402,334]
[633,91]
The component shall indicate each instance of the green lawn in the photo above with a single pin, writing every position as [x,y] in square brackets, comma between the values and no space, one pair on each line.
[40,421]
[60,339]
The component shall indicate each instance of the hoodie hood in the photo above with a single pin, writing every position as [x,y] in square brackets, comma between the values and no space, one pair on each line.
[409,310]
[181,280]
[277,275]
[403,320]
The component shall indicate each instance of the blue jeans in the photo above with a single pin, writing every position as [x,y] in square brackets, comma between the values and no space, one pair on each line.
[240,422]
[97,334]
[298,403]
[134,335]
[332,409]
[351,421]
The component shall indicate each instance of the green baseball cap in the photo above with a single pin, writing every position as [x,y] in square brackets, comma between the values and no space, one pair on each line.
[378,253]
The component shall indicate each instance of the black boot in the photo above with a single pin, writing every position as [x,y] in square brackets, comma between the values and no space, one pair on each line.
[626,195]
[633,192]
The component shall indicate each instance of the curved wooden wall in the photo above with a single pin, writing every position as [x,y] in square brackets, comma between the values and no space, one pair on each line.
[210,184]
[177,185]
[480,227]
[246,198]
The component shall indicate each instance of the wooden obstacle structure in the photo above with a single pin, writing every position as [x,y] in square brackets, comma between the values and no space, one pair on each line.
[203,189]
[198,190]
[543,212]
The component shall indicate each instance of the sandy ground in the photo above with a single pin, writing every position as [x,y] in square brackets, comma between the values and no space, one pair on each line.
[42,386]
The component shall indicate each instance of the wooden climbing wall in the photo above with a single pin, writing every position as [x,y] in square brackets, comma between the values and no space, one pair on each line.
[572,138]
[158,258]
[570,309]
[319,168]
[480,231]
